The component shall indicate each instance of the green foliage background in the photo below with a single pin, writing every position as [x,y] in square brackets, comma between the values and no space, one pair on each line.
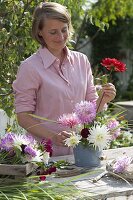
[115,42]
[16,42]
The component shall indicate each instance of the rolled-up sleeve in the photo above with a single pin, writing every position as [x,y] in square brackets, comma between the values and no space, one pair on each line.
[25,88]
[91,94]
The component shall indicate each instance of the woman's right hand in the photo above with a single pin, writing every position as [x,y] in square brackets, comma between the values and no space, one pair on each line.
[58,139]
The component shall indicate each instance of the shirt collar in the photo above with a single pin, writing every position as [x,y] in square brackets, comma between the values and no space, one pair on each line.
[48,58]
[68,55]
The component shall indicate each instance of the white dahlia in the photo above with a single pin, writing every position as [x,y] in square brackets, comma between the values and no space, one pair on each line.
[73,140]
[99,136]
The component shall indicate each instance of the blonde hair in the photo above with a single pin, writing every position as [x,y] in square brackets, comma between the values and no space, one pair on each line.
[49,10]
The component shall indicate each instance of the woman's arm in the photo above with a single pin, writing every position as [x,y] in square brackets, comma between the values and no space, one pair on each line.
[35,127]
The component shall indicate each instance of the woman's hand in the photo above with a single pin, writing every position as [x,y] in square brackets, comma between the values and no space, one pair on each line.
[59,138]
[108,93]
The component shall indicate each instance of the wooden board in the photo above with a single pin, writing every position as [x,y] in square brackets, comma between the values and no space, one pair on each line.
[69,171]
[16,170]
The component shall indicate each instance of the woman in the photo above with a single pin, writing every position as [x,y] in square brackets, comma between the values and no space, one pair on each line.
[50,82]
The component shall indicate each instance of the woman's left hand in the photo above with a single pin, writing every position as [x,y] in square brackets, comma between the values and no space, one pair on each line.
[108,92]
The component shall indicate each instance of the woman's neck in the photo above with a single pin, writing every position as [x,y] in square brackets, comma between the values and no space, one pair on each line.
[59,54]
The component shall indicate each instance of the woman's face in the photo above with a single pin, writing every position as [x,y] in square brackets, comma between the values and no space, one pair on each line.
[55,34]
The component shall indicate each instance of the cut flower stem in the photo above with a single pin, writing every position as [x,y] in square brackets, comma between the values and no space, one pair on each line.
[100,103]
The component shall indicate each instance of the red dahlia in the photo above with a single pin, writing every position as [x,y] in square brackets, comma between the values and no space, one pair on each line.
[85,132]
[42,178]
[113,64]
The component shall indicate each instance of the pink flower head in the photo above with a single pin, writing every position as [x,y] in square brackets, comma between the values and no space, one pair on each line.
[69,120]
[7,141]
[122,164]
[113,126]
[113,64]
[47,145]
[28,137]
[86,111]
[29,150]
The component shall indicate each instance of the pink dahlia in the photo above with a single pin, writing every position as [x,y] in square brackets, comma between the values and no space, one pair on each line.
[113,126]
[7,141]
[122,164]
[69,120]
[29,150]
[86,111]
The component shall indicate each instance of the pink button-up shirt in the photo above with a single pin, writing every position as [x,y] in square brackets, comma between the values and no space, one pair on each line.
[48,91]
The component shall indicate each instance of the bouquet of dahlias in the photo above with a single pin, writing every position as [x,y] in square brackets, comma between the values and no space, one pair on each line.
[90,128]
[22,149]
[87,125]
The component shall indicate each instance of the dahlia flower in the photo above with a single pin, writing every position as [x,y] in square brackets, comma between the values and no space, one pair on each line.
[73,140]
[69,120]
[99,136]
[122,164]
[86,111]
[113,126]
[114,64]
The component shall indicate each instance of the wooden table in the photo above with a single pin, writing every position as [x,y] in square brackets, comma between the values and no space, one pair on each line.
[127,107]
[82,187]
